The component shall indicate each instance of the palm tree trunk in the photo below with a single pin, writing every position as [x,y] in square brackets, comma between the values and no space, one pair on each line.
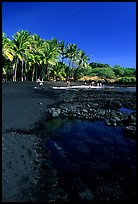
[42,73]
[33,72]
[22,72]
[47,71]
[25,71]
[36,72]
[69,69]
[15,70]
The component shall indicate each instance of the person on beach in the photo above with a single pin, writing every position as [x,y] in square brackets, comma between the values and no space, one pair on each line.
[92,83]
[68,83]
[38,81]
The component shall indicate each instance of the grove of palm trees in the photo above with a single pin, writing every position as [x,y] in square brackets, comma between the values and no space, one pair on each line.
[28,57]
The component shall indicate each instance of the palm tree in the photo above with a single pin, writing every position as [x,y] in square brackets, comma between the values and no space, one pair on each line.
[32,57]
[25,46]
[7,54]
[62,50]
[50,55]
[58,71]
[71,54]
[34,54]
[7,50]
[82,59]
[20,45]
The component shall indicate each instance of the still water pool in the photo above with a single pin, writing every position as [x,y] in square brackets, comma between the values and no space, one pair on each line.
[95,162]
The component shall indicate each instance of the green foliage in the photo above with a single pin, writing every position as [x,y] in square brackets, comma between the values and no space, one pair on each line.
[118,66]
[29,57]
[7,51]
[99,65]
[87,71]
[100,72]
[127,80]
[58,72]
[129,72]
[124,72]
[104,73]
[119,72]
[77,74]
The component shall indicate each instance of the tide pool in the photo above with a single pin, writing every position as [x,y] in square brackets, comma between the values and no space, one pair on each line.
[94,161]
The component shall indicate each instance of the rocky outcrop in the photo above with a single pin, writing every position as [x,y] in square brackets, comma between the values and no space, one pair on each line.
[96,105]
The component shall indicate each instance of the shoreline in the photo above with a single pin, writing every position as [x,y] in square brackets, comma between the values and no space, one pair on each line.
[21,109]
[24,113]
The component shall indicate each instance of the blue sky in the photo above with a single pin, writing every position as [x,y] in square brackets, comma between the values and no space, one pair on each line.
[104,30]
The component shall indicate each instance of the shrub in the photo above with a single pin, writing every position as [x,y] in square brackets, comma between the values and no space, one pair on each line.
[127,80]
[124,72]
[104,73]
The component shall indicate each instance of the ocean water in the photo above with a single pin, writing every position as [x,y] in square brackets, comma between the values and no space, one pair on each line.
[126,110]
[95,162]
[110,88]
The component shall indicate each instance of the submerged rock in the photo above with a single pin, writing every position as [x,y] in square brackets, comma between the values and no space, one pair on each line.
[54,114]
[58,111]
[86,195]
[130,131]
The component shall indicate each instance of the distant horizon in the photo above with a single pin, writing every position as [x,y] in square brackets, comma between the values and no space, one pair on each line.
[106,31]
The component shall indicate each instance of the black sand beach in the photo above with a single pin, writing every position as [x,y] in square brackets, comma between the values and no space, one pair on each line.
[23,107]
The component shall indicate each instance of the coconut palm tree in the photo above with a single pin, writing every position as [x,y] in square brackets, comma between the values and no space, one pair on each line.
[50,55]
[20,45]
[71,54]
[82,59]
[7,54]
[25,46]
[7,50]
[32,57]
[62,50]
[58,71]
[34,54]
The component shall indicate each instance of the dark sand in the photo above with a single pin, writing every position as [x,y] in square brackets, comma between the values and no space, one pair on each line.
[22,107]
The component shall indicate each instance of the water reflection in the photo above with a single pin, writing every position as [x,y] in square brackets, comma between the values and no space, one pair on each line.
[99,156]
[126,110]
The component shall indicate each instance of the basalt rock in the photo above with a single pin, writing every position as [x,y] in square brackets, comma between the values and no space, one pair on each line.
[54,114]
[96,105]
[130,131]
[86,195]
